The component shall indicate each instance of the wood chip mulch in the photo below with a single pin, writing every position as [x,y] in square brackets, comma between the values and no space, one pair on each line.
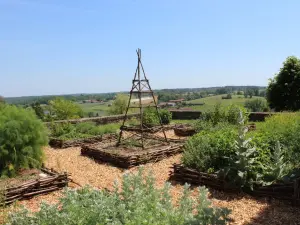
[85,171]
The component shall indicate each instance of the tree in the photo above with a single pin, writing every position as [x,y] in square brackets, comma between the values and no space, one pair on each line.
[119,105]
[63,109]
[22,136]
[283,92]
[38,110]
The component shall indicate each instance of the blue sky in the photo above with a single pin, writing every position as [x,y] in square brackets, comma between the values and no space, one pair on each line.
[61,47]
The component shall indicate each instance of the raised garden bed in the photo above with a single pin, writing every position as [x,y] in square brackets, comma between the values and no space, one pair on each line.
[59,143]
[150,129]
[127,157]
[287,191]
[184,130]
[45,181]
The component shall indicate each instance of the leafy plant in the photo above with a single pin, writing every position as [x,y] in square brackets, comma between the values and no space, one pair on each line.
[150,117]
[239,172]
[278,168]
[257,105]
[165,115]
[22,136]
[138,202]
[62,109]
[206,150]
[283,127]
[221,114]
[67,131]
[119,105]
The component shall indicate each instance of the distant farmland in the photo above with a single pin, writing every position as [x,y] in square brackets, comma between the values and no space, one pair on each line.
[210,102]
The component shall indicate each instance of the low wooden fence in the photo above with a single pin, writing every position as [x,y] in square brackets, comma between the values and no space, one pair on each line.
[59,143]
[283,191]
[98,120]
[53,181]
[122,159]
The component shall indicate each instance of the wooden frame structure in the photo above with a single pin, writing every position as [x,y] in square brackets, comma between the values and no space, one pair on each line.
[141,88]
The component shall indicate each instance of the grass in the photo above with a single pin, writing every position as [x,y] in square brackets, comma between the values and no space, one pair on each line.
[100,108]
[183,121]
[209,102]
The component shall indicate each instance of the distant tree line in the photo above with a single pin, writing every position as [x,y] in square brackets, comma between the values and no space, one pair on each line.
[28,100]
[166,95]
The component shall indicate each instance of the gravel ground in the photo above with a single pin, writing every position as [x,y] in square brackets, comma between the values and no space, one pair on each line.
[85,171]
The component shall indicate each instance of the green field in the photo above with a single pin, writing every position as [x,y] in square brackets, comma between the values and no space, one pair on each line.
[211,101]
[100,108]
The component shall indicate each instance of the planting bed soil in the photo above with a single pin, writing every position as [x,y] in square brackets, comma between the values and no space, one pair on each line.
[31,183]
[288,191]
[126,157]
[184,130]
[59,143]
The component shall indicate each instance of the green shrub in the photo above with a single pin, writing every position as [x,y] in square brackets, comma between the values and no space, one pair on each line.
[257,105]
[207,149]
[62,109]
[22,136]
[67,131]
[240,172]
[119,105]
[139,202]
[165,115]
[221,114]
[150,117]
[285,128]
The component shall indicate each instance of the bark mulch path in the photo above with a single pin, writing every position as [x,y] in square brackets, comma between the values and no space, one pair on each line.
[85,171]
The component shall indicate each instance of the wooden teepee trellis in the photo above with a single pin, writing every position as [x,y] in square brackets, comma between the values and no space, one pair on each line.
[140,87]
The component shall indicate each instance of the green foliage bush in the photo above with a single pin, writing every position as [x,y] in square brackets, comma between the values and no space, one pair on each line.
[67,131]
[248,158]
[240,172]
[220,115]
[22,136]
[61,109]
[166,116]
[257,105]
[119,105]
[138,202]
[206,150]
[150,117]
[285,128]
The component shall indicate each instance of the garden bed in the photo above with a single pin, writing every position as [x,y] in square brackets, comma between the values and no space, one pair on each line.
[44,182]
[127,157]
[60,143]
[287,191]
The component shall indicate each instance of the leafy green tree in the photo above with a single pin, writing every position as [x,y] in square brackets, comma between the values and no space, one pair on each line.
[119,105]
[63,109]
[283,92]
[22,136]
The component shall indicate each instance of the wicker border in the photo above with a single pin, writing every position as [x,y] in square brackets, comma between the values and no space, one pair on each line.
[288,191]
[59,143]
[128,161]
[54,181]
